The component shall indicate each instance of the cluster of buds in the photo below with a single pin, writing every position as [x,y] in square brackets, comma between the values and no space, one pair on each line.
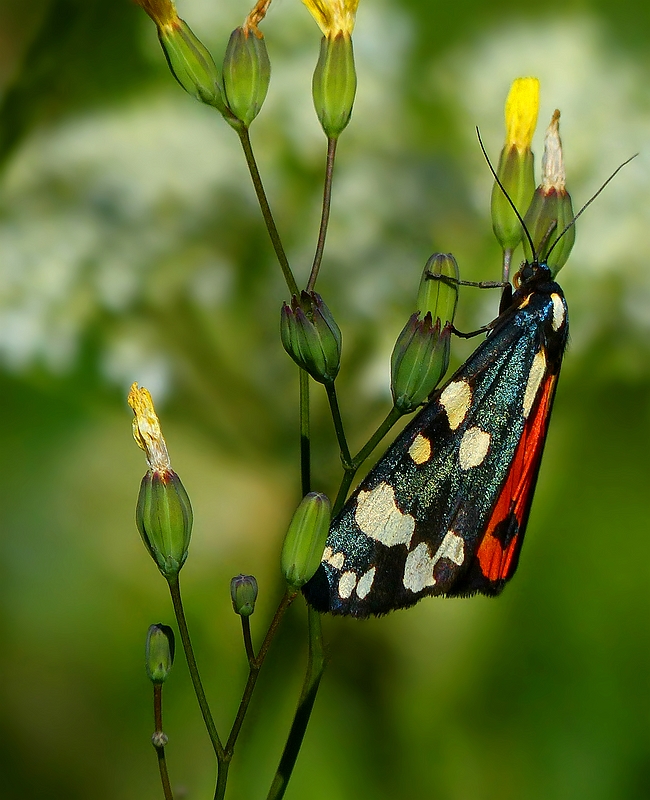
[164,512]
[421,354]
[547,210]
[304,543]
[239,91]
[239,94]
[311,336]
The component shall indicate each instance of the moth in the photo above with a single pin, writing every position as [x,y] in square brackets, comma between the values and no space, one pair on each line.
[445,509]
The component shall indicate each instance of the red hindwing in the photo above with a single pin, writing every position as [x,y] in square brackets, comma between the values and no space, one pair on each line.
[497,558]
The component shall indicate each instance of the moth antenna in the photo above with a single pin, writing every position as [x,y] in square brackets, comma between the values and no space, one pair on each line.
[589,202]
[508,198]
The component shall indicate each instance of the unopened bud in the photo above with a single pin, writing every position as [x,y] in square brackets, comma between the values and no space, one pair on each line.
[438,292]
[335,84]
[189,59]
[311,336]
[159,652]
[246,73]
[243,591]
[420,359]
[516,167]
[304,543]
[164,519]
[164,512]
[551,209]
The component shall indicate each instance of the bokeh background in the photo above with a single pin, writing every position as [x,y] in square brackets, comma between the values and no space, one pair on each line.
[131,248]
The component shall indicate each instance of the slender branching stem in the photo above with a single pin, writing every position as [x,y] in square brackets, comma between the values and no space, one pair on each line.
[175,591]
[315,668]
[325,214]
[346,456]
[266,211]
[305,435]
[255,665]
[348,476]
[160,748]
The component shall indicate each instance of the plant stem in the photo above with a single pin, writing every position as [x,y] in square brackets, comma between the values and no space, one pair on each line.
[254,670]
[266,211]
[305,440]
[175,591]
[160,749]
[346,456]
[248,643]
[507,258]
[222,779]
[393,415]
[315,668]
[325,214]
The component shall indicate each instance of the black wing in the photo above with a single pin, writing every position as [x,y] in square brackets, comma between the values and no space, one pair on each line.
[413,527]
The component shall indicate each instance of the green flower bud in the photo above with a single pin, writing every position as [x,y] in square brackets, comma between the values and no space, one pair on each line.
[335,84]
[246,73]
[159,652]
[515,168]
[311,336]
[164,519]
[304,543]
[438,292]
[164,513]
[420,359]
[189,60]
[243,590]
[516,173]
[192,65]
[551,209]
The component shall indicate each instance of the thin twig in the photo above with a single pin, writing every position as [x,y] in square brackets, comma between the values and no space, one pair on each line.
[315,669]
[160,747]
[266,211]
[175,591]
[325,214]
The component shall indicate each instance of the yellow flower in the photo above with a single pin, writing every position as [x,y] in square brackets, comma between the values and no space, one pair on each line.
[146,429]
[522,107]
[334,17]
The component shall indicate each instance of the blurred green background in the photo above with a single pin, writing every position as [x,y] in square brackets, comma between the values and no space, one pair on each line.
[131,248]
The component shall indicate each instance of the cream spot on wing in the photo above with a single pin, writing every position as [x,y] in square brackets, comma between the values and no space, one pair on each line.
[347,582]
[420,450]
[327,553]
[456,400]
[378,516]
[559,312]
[451,547]
[418,569]
[336,560]
[473,448]
[365,583]
[419,566]
[535,377]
